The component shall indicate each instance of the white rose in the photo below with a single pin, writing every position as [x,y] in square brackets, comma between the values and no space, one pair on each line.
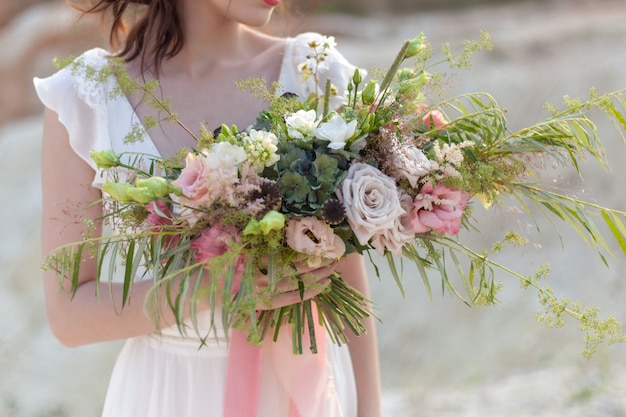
[336,131]
[411,163]
[224,155]
[300,124]
[371,201]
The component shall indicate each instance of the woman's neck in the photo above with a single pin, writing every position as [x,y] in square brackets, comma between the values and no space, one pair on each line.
[212,39]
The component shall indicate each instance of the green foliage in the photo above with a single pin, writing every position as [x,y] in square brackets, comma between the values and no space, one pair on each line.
[474,150]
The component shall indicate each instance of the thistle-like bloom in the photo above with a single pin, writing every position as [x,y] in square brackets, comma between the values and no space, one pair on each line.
[268,193]
[333,212]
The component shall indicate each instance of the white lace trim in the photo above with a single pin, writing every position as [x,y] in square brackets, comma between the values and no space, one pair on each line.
[87,85]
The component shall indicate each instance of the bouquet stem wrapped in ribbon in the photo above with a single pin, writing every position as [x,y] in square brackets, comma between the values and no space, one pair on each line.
[392,170]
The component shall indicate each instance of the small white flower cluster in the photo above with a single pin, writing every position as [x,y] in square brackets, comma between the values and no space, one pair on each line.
[317,61]
[260,146]
[449,158]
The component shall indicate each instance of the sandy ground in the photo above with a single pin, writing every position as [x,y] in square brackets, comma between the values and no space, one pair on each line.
[439,358]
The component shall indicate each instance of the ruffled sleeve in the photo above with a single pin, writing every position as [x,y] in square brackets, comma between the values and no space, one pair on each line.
[80,102]
[335,67]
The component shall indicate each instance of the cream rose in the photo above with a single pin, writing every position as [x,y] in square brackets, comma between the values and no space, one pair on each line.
[371,201]
[394,238]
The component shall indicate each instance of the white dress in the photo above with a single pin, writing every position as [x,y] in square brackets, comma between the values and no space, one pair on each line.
[168,375]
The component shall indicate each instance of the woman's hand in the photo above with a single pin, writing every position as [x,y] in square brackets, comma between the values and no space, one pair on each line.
[287,292]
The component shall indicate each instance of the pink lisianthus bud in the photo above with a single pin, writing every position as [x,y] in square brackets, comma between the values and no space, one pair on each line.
[434,119]
[159,218]
[439,209]
[160,214]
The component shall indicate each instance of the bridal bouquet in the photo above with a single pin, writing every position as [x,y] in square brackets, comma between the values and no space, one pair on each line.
[391,171]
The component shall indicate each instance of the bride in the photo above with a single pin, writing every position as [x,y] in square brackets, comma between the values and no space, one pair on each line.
[197,50]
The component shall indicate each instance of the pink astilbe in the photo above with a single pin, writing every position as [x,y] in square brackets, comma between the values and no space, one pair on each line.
[439,209]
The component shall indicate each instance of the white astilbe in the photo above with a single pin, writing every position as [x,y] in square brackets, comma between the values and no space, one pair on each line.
[449,157]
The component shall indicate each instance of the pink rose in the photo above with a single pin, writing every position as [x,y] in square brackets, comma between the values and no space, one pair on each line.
[312,237]
[434,119]
[439,209]
[193,180]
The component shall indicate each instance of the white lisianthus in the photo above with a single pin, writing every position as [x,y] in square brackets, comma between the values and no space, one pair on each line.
[337,131]
[261,148]
[226,156]
[300,124]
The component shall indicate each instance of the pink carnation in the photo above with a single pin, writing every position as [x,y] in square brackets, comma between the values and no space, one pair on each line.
[439,209]
[215,241]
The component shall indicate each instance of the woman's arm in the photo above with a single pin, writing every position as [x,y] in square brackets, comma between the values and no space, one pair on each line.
[364,348]
[67,195]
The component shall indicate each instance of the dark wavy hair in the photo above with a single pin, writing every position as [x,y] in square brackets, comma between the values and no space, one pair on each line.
[148,30]
[156,32]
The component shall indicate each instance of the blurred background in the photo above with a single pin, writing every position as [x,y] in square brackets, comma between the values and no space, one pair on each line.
[439,358]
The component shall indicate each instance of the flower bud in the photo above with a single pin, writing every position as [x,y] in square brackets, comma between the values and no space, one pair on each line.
[416,45]
[368,95]
[158,186]
[357,78]
[253,228]
[119,191]
[141,195]
[104,159]
[273,220]
[415,84]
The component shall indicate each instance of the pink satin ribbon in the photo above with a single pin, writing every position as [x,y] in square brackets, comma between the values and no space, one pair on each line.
[302,378]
